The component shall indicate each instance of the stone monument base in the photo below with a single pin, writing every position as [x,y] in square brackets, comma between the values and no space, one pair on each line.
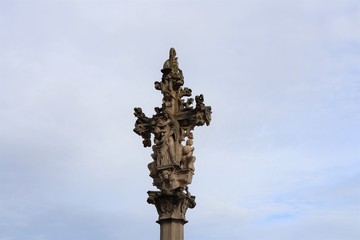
[171,209]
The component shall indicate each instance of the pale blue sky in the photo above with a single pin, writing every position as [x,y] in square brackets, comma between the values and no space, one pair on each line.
[279,161]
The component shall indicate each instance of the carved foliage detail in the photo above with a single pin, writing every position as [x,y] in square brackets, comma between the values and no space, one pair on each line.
[171,206]
[172,124]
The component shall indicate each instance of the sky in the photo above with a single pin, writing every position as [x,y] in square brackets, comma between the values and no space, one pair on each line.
[280,159]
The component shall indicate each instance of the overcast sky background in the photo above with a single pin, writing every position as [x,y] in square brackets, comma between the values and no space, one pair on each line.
[280,159]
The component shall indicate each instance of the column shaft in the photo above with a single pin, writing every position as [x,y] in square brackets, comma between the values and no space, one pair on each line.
[171,230]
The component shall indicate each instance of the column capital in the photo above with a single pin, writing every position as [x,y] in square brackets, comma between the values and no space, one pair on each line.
[171,207]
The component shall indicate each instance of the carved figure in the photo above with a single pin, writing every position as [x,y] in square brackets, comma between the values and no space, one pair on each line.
[188,159]
[171,63]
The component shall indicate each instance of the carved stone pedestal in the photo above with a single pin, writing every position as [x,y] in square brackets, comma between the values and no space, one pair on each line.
[171,209]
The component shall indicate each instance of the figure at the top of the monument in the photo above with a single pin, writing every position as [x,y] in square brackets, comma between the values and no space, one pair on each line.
[172,61]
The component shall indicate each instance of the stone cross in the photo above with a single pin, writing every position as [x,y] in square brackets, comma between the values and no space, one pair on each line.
[169,132]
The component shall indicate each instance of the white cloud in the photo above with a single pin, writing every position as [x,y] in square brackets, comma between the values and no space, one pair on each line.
[278,161]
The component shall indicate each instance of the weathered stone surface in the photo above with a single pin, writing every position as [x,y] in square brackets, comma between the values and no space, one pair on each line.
[169,132]
[171,126]
[172,206]
[171,230]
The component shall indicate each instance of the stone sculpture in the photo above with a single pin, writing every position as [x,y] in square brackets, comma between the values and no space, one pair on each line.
[171,129]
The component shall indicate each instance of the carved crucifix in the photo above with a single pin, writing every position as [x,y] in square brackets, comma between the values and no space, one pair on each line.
[169,132]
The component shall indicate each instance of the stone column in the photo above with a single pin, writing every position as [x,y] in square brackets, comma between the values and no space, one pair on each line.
[171,209]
